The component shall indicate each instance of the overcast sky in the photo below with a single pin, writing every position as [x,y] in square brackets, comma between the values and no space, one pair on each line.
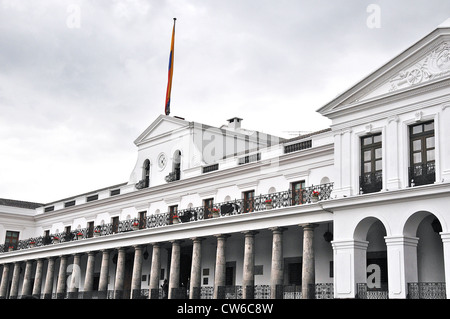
[80,80]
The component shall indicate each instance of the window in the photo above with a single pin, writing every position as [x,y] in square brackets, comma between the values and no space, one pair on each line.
[249,201]
[70,203]
[146,173]
[371,179]
[115,224]
[297,189]
[91,198]
[173,212]
[115,192]
[208,206]
[142,219]
[422,154]
[49,209]
[90,232]
[11,239]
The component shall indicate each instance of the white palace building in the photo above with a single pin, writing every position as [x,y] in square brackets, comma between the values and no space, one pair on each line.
[357,210]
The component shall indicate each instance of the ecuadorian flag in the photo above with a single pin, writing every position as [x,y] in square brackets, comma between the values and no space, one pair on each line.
[169,83]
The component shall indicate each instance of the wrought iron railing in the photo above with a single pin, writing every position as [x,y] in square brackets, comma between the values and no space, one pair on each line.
[371,182]
[235,207]
[426,290]
[422,174]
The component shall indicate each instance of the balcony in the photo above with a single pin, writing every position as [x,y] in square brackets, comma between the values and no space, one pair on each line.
[371,182]
[236,207]
[422,174]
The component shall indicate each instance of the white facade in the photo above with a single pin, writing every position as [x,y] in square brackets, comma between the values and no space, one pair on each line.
[382,170]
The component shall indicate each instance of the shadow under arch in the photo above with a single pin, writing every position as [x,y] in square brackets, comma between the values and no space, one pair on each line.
[363,227]
[412,223]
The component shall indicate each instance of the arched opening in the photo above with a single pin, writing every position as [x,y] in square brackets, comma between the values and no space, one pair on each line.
[176,164]
[429,281]
[146,173]
[374,285]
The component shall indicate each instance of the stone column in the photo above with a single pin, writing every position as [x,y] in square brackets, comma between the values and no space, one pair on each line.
[104,272]
[48,288]
[26,285]
[120,273]
[5,281]
[248,278]
[277,268]
[15,281]
[137,273]
[174,279]
[308,264]
[196,269]
[74,283]
[220,272]
[38,279]
[89,279]
[155,272]
[61,284]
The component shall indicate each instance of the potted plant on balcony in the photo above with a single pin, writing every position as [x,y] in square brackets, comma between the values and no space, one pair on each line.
[79,235]
[96,232]
[268,203]
[315,196]
[32,244]
[10,248]
[135,225]
[175,219]
[56,239]
[215,212]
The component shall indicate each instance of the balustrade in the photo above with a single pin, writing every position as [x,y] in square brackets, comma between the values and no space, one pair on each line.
[234,207]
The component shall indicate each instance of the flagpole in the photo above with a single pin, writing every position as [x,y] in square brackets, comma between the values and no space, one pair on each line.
[170,76]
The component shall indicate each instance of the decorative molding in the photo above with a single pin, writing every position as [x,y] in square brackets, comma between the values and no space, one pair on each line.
[368,128]
[297,175]
[435,65]
[418,116]
[393,118]
[445,105]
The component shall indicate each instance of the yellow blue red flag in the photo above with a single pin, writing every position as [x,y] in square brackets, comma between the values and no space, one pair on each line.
[169,83]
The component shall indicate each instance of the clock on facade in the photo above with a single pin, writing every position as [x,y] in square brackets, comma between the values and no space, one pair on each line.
[162,160]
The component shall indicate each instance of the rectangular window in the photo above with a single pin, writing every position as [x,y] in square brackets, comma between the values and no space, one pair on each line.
[90,232]
[92,197]
[11,239]
[297,189]
[115,224]
[422,154]
[115,192]
[49,209]
[371,179]
[142,219]
[208,206]
[249,199]
[69,203]
[173,212]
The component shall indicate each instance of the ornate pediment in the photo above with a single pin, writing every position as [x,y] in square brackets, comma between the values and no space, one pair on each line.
[435,65]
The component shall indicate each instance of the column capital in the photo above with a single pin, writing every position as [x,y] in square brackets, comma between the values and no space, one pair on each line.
[308,226]
[250,232]
[198,239]
[278,229]
[222,236]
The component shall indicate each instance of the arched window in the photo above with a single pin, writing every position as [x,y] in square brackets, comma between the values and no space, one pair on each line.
[176,165]
[146,173]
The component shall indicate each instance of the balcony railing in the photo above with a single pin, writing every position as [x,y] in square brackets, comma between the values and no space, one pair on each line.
[321,291]
[371,182]
[236,207]
[422,174]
